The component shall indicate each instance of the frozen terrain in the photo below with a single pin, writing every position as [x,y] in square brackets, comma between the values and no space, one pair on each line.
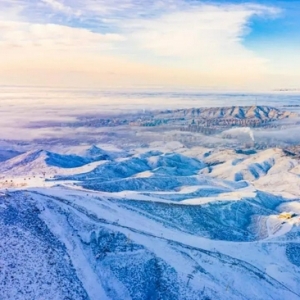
[150,225]
[91,216]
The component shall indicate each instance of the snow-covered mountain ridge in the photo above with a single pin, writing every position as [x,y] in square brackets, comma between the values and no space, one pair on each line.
[239,112]
[163,222]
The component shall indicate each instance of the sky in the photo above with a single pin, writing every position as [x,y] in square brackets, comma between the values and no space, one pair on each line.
[185,44]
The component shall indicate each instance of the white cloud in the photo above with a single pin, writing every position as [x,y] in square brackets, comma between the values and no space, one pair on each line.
[154,42]
[52,36]
[59,6]
[129,8]
[208,38]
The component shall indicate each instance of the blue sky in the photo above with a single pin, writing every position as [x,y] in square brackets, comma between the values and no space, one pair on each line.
[181,43]
[282,28]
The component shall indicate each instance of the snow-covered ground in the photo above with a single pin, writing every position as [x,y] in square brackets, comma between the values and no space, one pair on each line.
[133,213]
[166,222]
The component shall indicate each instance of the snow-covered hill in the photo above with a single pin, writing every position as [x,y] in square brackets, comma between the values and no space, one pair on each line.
[270,170]
[239,112]
[44,163]
[165,222]
[99,248]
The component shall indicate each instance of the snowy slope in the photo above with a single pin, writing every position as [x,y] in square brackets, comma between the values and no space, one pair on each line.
[45,163]
[270,165]
[240,112]
[161,223]
[122,251]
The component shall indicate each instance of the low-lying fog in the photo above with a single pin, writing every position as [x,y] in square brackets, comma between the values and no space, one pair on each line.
[44,116]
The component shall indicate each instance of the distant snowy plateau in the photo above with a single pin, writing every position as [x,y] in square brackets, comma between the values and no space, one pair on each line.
[161,220]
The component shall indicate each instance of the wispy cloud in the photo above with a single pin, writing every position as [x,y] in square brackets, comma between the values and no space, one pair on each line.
[52,36]
[61,7]
[202,43]
[207,37]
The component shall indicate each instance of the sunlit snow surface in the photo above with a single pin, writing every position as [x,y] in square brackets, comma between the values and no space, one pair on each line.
[130,213]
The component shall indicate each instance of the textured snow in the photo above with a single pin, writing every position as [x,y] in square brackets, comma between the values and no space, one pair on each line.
[162,222]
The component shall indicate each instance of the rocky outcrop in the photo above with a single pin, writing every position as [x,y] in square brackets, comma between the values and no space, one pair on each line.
[261,113]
